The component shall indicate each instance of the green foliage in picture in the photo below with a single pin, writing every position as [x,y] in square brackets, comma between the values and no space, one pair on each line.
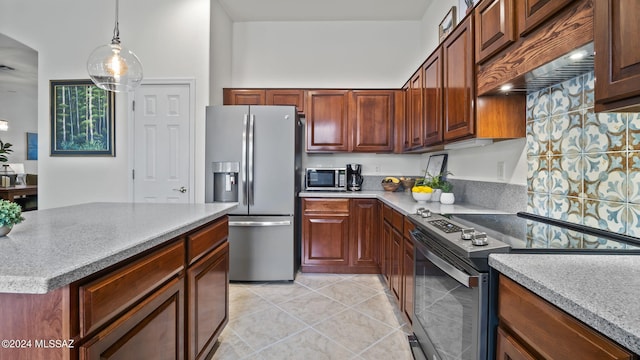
[82,119]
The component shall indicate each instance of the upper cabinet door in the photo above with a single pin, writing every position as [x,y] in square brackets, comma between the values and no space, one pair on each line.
[495,27]
[534,12]
[244,96]
[617,62]
[327,120]
[459,82]
[293,97]
[432,84]
[372,120]
[416,114]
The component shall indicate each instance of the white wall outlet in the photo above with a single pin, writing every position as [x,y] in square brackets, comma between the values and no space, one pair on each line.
[501,170]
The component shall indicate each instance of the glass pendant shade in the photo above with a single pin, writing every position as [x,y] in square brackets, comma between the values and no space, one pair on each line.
[113,67]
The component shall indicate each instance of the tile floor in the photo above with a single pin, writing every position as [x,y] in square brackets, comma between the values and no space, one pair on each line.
[318,316]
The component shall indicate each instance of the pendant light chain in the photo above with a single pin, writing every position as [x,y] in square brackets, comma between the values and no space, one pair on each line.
[116,27]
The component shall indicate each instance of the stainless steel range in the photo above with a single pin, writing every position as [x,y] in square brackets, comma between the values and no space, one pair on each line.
[454,286]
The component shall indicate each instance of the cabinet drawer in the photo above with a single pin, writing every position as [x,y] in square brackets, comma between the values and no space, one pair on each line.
[408,227]
[548,330]
[207,238]
[104,298]
[326,205]
[387,212]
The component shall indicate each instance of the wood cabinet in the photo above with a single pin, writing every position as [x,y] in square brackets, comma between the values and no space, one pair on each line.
[415,117]
[533,13]
[244,96]
[293,97]
[153,329]
[170,302]
[408,269]
[617,61]
[208,301]
[340,235]
[459,82]
[363,248]
[385,250]
[395,275]
[327,121]
[432,87]
[495,27]
[325,234]
[532,328]
[372,116]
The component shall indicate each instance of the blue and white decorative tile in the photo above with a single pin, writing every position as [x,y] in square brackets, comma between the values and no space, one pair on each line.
[606,215]
[566,133]
[538,174]
[537,235]
[633,188]
[538,137]
[560,238]
[604,132]
[633,220]
[565,175]
[567,96]
[538,204]
[592,242]
[633,120]
[605,176]
[565,208]
[589,86]
[538,105]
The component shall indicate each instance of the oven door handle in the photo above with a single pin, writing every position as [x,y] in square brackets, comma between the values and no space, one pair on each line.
[460,276]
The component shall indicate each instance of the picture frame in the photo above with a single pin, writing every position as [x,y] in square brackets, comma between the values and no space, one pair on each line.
[32,146]
[82,119]
[464,7]
[447,24]
[436,165]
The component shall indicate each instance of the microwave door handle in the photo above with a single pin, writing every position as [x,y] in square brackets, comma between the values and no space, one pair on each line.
[460,276]
[250,157]
[243,165]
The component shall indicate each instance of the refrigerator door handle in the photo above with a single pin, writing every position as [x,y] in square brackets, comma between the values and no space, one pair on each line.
[250,157]
[260,223]
[243,165]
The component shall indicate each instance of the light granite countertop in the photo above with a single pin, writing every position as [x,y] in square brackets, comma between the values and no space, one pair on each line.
[403,202]
[55,247]
[602,291]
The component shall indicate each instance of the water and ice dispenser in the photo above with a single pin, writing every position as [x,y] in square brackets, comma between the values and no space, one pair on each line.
[225,181]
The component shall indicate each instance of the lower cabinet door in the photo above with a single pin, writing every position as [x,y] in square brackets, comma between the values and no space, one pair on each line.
[208,294]
[153,329]
[508,348]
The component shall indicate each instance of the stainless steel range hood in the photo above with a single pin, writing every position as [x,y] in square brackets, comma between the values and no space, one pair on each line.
[575,63]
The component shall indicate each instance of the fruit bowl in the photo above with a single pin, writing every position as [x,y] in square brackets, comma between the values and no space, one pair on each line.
[390,186]
[407,184]
[421,197]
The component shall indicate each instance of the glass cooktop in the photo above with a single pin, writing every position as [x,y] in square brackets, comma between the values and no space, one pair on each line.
[529,232]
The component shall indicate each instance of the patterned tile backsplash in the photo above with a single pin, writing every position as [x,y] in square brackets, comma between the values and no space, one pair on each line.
[582,167]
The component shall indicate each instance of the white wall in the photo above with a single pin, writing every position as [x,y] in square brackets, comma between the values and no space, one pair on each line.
[344,54]
[221,37]
[64,32]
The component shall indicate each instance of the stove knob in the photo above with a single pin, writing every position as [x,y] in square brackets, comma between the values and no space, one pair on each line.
[419,211]
[467,234]
[426,213]
[480,239]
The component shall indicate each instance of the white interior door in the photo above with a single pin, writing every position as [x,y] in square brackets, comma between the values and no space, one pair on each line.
[161,143]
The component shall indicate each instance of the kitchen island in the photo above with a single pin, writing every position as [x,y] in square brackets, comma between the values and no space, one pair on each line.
[599,290]
[100,280]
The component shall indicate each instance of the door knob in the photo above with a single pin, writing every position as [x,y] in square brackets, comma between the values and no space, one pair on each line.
[182,189]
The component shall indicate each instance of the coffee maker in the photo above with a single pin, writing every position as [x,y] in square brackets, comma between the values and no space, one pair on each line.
[354,177]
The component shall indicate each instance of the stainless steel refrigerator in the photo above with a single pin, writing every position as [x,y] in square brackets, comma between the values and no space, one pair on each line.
[263,231]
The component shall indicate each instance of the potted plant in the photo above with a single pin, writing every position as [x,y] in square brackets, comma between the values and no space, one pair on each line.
[447,196]
[10,214]
[5,149]
[437,182]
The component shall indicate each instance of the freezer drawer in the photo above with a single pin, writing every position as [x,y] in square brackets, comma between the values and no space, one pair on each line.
[261,248]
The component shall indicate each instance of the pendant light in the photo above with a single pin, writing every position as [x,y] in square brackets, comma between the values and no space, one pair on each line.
[113,67]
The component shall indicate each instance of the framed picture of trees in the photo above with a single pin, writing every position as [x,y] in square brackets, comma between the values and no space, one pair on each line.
[82,119]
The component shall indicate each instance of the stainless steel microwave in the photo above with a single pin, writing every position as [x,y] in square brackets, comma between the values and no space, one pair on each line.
[329,179]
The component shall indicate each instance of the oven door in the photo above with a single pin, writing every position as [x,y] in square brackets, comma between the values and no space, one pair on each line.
[451,304]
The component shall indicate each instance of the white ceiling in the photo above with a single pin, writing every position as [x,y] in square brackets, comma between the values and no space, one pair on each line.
[324,10]
[24,61]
